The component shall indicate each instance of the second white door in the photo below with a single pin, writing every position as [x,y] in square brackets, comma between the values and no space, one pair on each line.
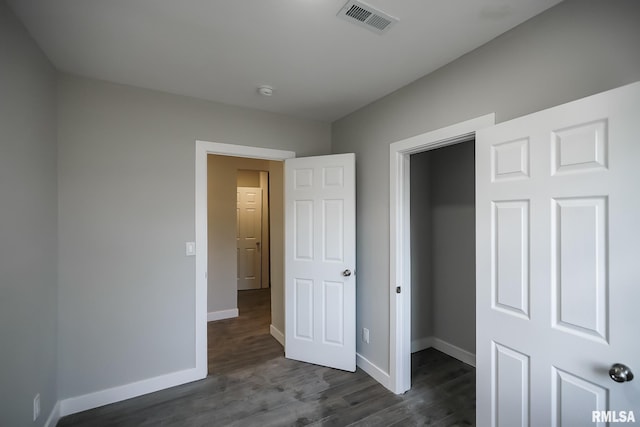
[320,284]
[249,237]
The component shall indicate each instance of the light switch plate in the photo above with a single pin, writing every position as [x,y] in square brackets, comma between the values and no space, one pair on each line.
[190,248]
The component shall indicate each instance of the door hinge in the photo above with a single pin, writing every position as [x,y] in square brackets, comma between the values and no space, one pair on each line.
[398,289]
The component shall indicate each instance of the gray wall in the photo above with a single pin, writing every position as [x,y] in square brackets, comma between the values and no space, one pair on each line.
[28,227]
[573,50]
[443,245]
[453,230]
[126,196]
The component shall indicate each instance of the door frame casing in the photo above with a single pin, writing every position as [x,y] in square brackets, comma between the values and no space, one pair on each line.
[400,238]
[204,148]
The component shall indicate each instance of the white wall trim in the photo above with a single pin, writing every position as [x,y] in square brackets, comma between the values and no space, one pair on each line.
[400,238]
[421,344]
[373,371]
[445,347]
[54,416]
[222,314]
[116,394]
[203,148]
[454,351]
[245,151]
[277,334]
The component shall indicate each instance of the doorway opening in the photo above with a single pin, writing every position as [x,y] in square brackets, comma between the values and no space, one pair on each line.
[335,175]
[443,282]
[239,217]
[210,241]
[411,233]
[443,250]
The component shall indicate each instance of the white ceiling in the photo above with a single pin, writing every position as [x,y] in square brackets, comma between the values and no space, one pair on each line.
[320,66]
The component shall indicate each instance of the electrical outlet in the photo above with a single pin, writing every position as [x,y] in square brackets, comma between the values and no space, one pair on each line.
[365,335]
[36,407]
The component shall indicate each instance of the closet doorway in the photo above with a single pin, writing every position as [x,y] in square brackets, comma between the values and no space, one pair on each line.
[425,321]
[443,282]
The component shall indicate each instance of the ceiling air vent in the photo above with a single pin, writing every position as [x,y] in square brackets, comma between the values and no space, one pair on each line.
[367,16]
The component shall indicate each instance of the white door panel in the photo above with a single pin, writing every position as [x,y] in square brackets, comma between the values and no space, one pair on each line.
[320,247]
[558,232]
[249,237]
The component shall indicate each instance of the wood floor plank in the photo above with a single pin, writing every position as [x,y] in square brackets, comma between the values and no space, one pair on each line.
[250,383]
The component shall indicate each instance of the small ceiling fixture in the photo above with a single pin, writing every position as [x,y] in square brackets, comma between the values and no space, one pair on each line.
[265,90]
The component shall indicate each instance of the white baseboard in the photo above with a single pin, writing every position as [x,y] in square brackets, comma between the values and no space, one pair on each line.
[421,344]
[116,394]
[445,347]
[54,416]
[222,314]
[454,351]
[374,372]
[277,334]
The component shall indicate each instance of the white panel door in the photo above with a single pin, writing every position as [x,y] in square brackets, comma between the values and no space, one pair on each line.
[558,264]
[320,284]
[249,237]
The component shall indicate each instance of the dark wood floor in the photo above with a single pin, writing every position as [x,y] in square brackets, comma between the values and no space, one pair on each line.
[250,383]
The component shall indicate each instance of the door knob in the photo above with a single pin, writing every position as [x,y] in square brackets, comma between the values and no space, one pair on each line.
[620,373]
[346,273]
